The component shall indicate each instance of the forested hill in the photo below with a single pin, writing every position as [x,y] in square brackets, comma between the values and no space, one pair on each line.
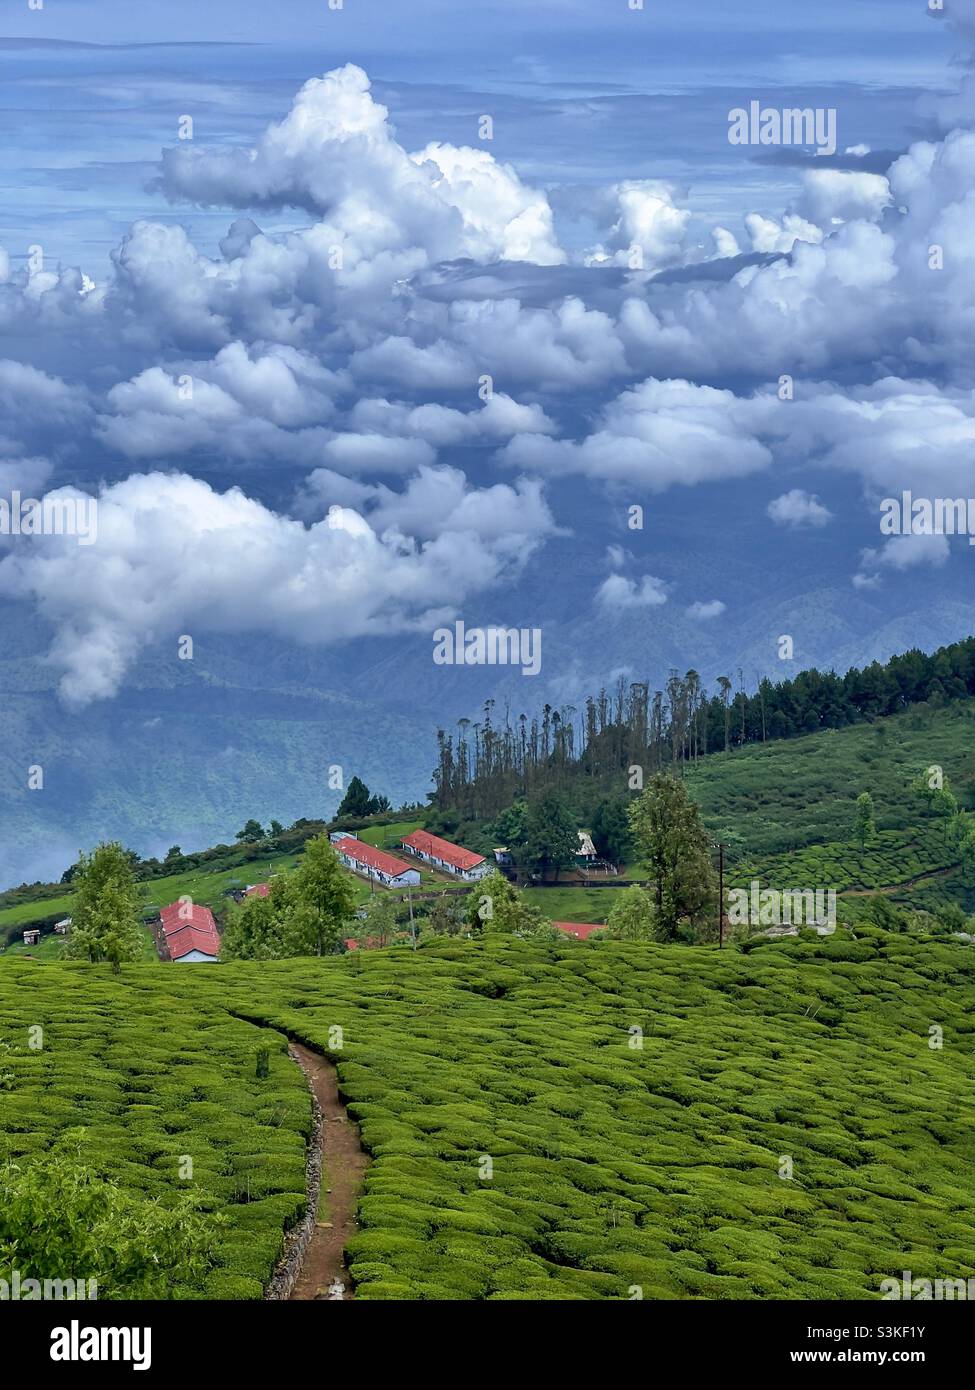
[486,764]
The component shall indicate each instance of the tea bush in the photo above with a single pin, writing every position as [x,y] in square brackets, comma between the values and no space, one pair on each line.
[786,1130]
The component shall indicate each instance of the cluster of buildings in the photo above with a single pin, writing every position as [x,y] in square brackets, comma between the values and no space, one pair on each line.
[188,931]
[393,872]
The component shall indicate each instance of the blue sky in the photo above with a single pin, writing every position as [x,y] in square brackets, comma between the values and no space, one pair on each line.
[581,92]
[263,351]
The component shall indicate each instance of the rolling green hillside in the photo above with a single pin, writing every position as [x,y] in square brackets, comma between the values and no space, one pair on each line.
[784,811]
[784,1131]
[768,799]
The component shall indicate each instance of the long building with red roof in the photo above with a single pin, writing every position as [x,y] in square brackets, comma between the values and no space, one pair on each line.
[441,854]
[375,863]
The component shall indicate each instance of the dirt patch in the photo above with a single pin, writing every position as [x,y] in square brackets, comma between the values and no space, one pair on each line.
[343,1165]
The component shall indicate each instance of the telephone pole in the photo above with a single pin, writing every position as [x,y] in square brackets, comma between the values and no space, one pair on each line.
[720,896]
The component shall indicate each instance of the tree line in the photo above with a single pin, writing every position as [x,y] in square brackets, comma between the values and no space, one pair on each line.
[487,764]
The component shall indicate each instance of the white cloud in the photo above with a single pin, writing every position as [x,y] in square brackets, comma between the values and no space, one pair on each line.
[831,195]
[616,556]
[901,553]
[641,216]
[658,434]
[618,592]
[175,557]
[798,508]
[334,155]
[768,235]
[703,612]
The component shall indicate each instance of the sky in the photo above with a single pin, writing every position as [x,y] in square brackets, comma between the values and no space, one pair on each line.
[358,321]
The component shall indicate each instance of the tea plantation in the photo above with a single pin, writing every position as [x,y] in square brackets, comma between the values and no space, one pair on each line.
[547,1121]
[153,1078]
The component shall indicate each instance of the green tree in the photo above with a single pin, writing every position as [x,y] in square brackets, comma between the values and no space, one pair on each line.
[633,917]
[511,825]
[864,824]
[60,1220]
[251,833]
[377,925]
[324,897]
[551,838]
[934,789]
[259,928]
[883,913]
[357,801]
[670,840]
[105,918]
[496,905]
[445,917]
[174,852]
[611,832]
[275,828]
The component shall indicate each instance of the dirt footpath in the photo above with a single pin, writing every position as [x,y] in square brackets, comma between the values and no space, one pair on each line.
[344,1163]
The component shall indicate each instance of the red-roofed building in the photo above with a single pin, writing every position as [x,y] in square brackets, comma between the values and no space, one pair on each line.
[375,863]
[579,929]
[441,854]
[257,890]
[188,945]
[190,933]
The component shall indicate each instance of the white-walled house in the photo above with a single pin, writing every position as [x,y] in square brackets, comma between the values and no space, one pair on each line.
[375,864]
[441,854]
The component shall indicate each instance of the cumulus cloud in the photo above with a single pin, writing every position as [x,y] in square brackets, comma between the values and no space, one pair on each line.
[703,612]
[174,556]
[438,500]
[245,404]
[556,348]
[361,365]
[837,195]
[900,553]
[768,235]
[37,408]
[798,508]
[499,418]
[617,592]
[334,155]
[646,229]
[658,434]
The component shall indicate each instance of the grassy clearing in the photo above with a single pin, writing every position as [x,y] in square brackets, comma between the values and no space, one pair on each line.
[574,904]
[49,948]
[609,1165]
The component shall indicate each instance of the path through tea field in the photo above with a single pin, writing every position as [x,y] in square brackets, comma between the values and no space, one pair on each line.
[564,1120]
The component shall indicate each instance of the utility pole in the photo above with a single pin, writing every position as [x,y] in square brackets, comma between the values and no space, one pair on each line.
[720,896]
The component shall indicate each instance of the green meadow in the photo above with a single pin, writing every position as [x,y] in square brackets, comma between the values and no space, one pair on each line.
[558,1120]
